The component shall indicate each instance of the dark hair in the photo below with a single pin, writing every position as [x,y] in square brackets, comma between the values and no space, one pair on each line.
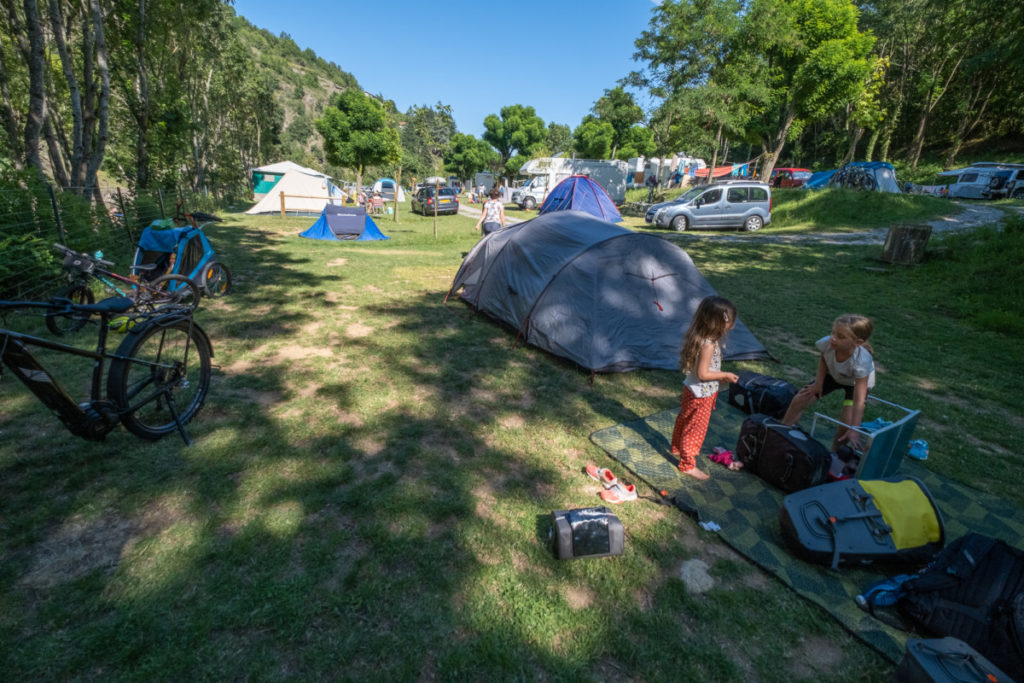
[494,193]
[714,317]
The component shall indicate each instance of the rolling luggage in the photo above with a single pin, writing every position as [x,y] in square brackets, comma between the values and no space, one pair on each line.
[946,660]
[757,393]
[786,457]
[853,521]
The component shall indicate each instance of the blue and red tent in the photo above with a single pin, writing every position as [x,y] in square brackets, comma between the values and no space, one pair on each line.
[581,193]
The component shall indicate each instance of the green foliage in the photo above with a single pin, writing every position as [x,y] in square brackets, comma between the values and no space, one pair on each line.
[467,154]
[559,139]
[425,137]
[593,138]
[355,132]
[517,131]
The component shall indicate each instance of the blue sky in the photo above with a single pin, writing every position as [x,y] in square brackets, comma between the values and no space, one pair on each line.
[557,56]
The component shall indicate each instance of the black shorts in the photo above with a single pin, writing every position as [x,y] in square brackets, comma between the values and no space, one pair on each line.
[830,384]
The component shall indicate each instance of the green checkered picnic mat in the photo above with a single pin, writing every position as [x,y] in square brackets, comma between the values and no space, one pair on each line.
[746,508]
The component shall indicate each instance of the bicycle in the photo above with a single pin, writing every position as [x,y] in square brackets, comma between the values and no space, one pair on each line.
[146,296]
[157,380]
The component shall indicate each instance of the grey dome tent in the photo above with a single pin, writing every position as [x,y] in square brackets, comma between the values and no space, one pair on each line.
[602,296]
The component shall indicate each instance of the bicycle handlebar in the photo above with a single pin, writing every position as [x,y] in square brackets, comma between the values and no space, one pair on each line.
[72,252]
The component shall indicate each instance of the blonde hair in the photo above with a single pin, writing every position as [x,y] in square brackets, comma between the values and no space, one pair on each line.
[856,326]
[714,317]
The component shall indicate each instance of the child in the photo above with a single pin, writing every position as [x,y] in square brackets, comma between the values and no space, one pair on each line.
[845,363]
[492,215]
[701,359]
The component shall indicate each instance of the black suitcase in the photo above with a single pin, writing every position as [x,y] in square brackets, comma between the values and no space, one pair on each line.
[861,522]
[946,660]
[786,457]
[757,393]
[585,532]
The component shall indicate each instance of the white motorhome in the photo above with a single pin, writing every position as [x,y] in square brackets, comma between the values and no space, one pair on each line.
[983,180]
[547,172]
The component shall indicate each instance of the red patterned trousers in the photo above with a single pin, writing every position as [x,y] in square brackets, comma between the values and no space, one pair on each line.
[691,427]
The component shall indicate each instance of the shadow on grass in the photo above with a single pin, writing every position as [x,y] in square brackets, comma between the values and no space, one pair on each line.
[371,504]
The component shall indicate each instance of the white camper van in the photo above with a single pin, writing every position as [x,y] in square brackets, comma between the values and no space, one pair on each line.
[979,180]
[547,172]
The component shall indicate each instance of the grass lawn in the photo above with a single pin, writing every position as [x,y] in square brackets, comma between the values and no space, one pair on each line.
[368,492]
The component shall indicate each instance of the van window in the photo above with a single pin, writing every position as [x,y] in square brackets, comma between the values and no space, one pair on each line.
[969,178]
[737,195]
[758,194]
[711,196]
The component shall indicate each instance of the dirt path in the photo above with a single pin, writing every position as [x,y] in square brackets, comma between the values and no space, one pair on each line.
[971,216]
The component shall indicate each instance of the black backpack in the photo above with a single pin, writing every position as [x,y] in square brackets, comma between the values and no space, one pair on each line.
[973,590]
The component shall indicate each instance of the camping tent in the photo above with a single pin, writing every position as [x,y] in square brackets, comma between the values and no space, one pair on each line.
[388,188]
[265,177]
[881,173]
[606,298]
[306,194]
[580,193]
[344,223]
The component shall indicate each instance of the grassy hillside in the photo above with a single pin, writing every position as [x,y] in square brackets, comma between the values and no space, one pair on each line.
[305,83]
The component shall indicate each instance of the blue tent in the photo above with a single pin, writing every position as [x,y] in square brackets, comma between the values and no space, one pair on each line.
[880,176]
[580,193]
[344,223]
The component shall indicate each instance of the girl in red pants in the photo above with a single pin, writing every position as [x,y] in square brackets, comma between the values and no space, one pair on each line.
[701,360]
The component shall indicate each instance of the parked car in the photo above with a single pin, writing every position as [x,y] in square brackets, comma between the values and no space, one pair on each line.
[789,177]
[743,204]
[423,201]
[1006,183]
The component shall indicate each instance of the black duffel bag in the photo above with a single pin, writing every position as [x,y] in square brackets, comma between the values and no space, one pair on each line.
[757,393]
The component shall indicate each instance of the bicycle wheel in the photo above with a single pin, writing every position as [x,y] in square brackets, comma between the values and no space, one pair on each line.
[169,290]
[78,293]
[216,279]
[164,372]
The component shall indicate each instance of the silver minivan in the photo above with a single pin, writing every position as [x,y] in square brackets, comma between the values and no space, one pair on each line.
[743,204]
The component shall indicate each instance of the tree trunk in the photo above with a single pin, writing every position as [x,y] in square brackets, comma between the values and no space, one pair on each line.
[58,163]
[142,94]
[37,87]
[851,150]
[772,154]
[869,149]
[99,148]
[714,155]
[967,125]
[59,26]
[929,106]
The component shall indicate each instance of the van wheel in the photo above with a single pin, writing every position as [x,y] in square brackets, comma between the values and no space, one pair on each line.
[753,223]
[1018,193]
[678,223]
[530,203]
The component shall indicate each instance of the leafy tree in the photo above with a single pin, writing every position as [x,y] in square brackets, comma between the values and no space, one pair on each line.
[426,133]
[618,108]
[467,154]
[593,138]
[559,139]
[518,131]
[356,134]
[812,59]
[637,142]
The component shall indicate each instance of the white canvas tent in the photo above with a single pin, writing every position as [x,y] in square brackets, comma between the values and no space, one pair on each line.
[306,192]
